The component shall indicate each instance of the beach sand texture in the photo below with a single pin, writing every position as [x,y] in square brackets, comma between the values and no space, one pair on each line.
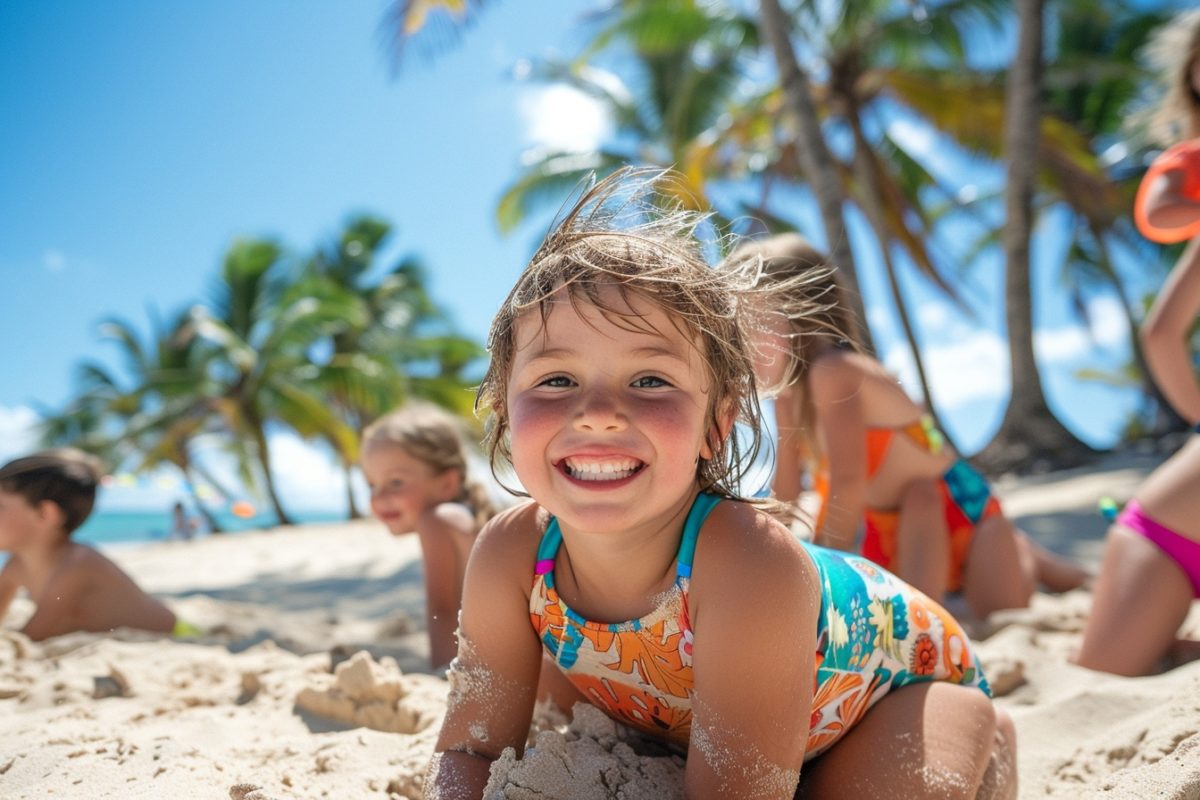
[277,701]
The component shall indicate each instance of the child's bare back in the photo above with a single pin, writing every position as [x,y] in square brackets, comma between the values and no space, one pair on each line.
[82,591]
[44,497]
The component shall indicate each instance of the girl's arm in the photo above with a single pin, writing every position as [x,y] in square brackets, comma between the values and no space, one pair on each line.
[836,386]
[1166,332]
[755,599]
[8,586]
[789,467]
[1166,204]
[493,679]
[445,533]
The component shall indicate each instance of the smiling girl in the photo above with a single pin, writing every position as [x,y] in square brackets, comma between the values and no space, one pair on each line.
[619,367]
[415,463]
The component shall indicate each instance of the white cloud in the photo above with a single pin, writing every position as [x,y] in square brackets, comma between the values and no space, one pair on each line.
[562,118]
[920,140]
[972,367]
[18,434]
[53,260]
[1108,330]
[305,475]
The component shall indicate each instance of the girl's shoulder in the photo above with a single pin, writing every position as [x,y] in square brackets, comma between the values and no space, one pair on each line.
[448,518]
[744,552]
[513,534]
[739,540]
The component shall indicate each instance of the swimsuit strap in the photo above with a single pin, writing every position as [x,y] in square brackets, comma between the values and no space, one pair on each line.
[701,507]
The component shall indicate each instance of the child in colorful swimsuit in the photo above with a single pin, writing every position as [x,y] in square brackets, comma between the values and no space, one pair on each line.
[44,497]
[618,368]
[415,463]
[881,463]
[1150,573]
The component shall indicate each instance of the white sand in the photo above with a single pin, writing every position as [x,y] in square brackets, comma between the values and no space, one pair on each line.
[258,709]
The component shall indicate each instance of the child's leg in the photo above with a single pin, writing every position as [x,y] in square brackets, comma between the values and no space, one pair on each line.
[928,740]
[922,542]
[1140,600]
[1054,572]
[999,571]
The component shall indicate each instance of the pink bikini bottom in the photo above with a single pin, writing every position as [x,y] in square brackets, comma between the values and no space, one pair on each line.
[1183,551]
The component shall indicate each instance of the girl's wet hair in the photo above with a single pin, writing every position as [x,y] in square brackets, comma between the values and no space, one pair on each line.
[799,281]
[1172,51]
[434,437]
[65,476]
[635,231]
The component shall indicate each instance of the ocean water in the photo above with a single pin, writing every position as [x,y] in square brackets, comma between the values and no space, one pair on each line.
[129,527]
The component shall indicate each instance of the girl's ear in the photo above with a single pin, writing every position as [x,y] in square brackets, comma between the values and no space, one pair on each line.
[722,427]
[450,483]
[51,513]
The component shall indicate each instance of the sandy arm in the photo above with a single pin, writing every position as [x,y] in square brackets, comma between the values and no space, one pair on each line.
[9,583]
[837,386]
[754,616]
[1167,330]
[446,533]
[494,677]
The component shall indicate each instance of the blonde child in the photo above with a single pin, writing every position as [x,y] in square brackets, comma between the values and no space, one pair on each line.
[1150,573]
[44,497]
[415,463]
[878,460]
[618,368]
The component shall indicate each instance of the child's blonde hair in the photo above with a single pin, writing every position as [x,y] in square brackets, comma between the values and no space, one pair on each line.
[1172,51]
[430,435]
[65,476]
[801,283]
[631,232]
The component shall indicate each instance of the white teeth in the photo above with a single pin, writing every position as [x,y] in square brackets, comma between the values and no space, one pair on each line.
[601,470]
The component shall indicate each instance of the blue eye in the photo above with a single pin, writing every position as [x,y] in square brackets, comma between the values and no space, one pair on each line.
[557,382]
[650,382]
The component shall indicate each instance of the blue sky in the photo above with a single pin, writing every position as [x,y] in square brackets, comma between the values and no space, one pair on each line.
[140,138]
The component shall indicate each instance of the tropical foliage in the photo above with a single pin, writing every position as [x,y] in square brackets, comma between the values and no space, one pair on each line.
[683,83]
[319,345]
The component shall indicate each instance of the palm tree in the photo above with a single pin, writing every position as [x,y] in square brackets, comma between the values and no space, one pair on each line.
[819,164]
[262,332]
[1028,428]
[405,347]
[675,104]
[153,415]
[1092,83]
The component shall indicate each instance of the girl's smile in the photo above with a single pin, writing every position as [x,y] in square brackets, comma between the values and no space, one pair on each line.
[609,414]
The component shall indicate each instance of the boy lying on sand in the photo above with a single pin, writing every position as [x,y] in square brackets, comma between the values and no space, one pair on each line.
[44,497]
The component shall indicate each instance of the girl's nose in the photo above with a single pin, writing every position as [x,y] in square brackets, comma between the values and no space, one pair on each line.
[599,410]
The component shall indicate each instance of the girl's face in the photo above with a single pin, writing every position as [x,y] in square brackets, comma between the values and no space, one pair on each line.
[607,424]
[403,487]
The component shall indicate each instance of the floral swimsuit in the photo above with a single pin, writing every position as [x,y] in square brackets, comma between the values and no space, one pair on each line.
[874,634]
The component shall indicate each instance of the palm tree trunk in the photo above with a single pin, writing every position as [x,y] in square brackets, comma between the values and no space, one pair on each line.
[209,517]
[264,460]
[866,165]
[351,504]
[814,154]
[1030,435]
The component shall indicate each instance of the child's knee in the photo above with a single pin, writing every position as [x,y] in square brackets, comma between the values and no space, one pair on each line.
[921,492]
